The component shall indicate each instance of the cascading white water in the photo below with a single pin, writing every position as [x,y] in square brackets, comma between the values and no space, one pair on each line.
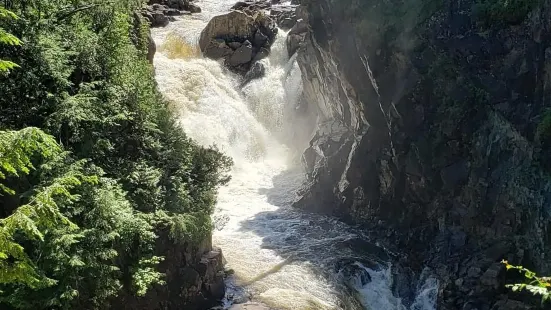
[280,256]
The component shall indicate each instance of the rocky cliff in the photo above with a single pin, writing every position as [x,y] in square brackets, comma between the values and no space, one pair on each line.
[194,277]
[433,132]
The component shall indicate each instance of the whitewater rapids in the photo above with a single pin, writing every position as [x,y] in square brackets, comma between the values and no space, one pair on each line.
[281,257]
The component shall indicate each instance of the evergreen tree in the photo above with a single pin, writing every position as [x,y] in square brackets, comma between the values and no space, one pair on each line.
[92,161]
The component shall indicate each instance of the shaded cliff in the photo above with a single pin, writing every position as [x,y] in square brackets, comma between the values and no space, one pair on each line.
[194,277]
[433,132]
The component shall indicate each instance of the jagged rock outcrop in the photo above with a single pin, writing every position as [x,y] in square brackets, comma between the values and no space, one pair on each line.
[432,133]
[194,277]
[161,12]
[283,14]
[240,39]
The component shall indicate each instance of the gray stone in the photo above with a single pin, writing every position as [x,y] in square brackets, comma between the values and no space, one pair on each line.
[455,174]
[234,24]
[249,306]
[240,56]
[473,272]
[194,8]
[151,48]
[262,53]
[256,71]
[260,39]
[217,49]
[234,45]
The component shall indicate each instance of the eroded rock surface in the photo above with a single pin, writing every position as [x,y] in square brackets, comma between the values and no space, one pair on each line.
[240,39]
[429,133]
[161,12]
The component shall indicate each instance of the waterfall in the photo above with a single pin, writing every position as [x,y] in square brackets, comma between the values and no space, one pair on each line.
[280,256]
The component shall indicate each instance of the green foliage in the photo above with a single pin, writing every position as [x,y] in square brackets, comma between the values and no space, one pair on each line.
[503,12]
[543,132]
[82,202]
[147,275]
[540,286]
[7,38]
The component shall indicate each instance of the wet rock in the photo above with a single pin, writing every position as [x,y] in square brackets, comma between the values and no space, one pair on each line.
[261,54]
[285,17]
[251,6]
[296,36]
[493,277]
[259,39]
[234,45]
[161,12]
[193,274]
[151,48]
[156,18]
[257,71]
[249,306]
[511,305]
[455,174]
[439,149]
[247,39]
[194,8]
[241,56]
[217,49]
[233,26]
[355,275]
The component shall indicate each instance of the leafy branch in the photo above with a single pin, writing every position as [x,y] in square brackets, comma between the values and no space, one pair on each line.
[536,285]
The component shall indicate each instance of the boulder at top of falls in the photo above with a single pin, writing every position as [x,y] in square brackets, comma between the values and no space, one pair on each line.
[235,24]
[175,4]
[241,38]
[161,12]
[285,16]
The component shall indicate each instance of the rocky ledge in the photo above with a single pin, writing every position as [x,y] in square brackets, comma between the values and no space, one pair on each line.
[160,12]
[194,277]
[283,14]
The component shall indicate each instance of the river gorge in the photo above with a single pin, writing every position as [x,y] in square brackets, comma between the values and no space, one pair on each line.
[282,257]
[377,155]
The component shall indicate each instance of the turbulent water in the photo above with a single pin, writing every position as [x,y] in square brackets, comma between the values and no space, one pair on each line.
[280,256]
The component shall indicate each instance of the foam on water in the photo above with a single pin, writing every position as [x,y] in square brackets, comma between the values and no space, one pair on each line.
[280,256]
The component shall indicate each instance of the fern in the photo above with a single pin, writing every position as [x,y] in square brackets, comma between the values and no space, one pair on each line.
[7,38]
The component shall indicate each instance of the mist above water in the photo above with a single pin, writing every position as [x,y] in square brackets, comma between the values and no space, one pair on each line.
[282,257]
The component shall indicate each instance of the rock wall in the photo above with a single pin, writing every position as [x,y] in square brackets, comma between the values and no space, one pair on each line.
[194,278]
[432,133]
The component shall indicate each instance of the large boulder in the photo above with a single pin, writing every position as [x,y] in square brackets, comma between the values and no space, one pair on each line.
[233,26]
[296,36]
[241,39]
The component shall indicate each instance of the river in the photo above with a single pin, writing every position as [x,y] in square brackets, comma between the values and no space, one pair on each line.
[280,256]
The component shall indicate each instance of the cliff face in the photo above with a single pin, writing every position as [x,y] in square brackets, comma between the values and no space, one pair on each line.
[432,132]
[194,277]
